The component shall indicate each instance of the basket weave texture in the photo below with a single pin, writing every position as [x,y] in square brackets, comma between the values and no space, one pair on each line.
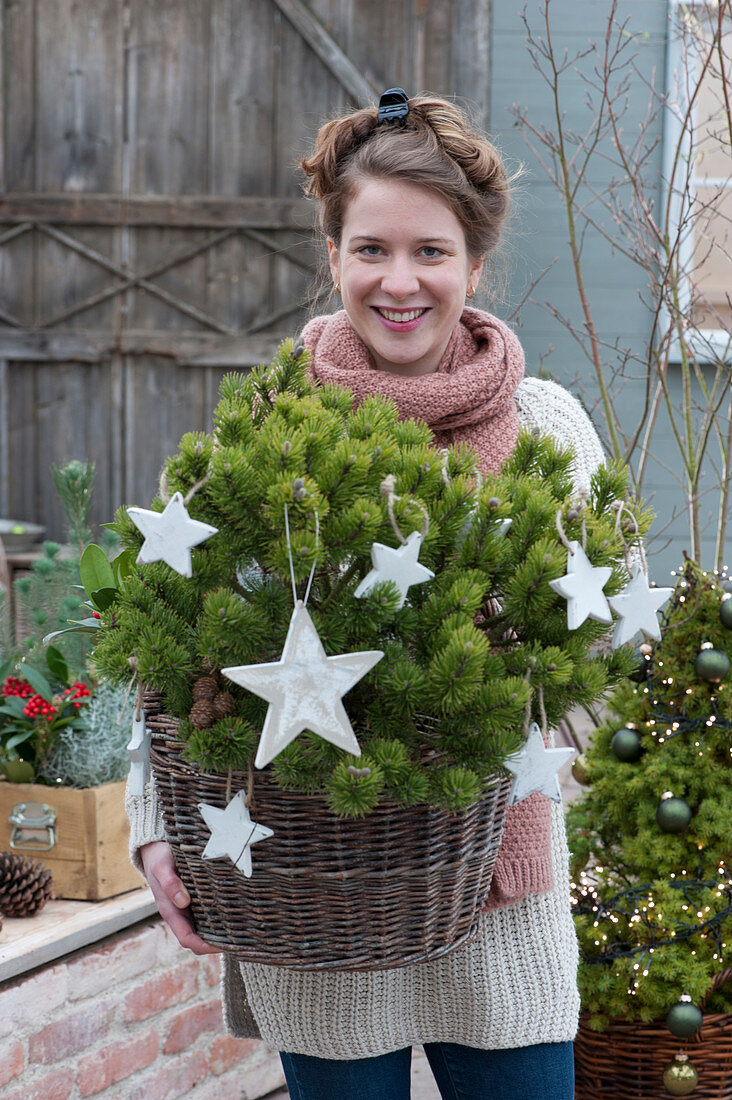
[627,1060]
[399,886]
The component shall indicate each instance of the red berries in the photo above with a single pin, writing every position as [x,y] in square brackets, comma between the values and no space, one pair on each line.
[15,686]
[37,706]
[77,694]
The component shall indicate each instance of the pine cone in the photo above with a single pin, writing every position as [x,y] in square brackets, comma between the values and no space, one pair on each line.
[223,704]
[205,688]
[25,886]
[202,714]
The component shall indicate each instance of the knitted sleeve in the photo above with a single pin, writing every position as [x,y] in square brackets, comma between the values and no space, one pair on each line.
[548,408]
[524,862]
[146,820]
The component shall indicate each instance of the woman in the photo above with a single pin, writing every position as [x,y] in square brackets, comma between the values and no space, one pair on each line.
[412,202]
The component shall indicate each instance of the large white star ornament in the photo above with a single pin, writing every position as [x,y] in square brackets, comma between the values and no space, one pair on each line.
[232,833]
[304,689]
[636,607]
[170,535]
[535,768]
[582,587]
[139,752]
[397,564]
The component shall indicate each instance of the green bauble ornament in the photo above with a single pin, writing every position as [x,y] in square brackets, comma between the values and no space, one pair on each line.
[725,612]
[684,1019]
[626,744]
[642,665]
[679,1076]
[673,814]
[579,770]
[18,771]
[711,665]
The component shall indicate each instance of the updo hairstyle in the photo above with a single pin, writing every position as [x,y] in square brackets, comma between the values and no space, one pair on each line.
[435,147]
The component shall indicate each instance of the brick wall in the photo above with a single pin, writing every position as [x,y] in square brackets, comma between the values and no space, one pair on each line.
[134,1017]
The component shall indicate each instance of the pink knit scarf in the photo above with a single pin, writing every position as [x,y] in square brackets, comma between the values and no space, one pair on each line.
[469,399]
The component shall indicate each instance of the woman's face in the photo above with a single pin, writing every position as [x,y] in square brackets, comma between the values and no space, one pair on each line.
[403,270]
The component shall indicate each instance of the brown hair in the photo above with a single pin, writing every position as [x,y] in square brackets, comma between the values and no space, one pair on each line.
[435,147]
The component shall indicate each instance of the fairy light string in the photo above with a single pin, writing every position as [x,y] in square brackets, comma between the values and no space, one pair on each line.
[637,906]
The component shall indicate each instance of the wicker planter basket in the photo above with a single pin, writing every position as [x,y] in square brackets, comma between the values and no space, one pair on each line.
[396,887]
[627,1060]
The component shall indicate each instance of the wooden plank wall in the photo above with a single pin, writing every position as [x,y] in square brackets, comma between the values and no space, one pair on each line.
[107,104]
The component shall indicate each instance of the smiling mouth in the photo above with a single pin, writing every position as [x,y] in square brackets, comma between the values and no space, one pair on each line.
[401,316]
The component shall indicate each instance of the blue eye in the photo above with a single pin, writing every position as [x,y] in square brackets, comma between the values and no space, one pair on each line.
[370,249]
[431,252]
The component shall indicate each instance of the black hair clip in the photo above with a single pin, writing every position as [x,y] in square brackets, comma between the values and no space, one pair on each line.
[393,105]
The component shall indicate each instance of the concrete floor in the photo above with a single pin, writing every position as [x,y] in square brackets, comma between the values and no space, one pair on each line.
[423,1083]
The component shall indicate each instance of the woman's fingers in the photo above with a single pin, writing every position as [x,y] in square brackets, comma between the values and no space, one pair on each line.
[171,896]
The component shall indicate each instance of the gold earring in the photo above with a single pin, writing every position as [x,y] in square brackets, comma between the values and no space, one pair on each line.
[337,287]
[470,293]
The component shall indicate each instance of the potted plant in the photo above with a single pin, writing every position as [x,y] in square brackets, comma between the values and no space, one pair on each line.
[63,734]
[265,566]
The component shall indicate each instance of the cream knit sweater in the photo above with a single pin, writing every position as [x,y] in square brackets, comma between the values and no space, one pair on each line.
[514,985]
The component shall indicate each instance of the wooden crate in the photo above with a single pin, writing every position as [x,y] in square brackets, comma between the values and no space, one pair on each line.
[89,860]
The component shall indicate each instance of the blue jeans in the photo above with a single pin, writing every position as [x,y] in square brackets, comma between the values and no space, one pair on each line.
[542,1072]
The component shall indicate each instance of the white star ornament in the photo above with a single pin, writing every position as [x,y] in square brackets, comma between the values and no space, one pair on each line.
[397,564]
[232,833]
[139,752]
[304,689]
[170,535]
[582,587]
[535,768]
[636,607]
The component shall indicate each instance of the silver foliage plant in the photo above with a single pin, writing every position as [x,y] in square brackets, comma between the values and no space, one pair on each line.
[97,754]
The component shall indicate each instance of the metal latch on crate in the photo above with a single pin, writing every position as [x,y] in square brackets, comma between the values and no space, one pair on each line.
[34,826]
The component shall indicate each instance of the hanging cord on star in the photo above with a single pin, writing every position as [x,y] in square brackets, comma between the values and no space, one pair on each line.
[387,490]
[619,507]
[540,699]
[164,493]
[573,513]
[292,564]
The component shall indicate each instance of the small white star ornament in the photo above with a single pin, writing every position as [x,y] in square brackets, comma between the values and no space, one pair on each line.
[232,833]
[397,564]
[304,689]
[582,587]
[170,535]
[139,753]
[535,768]
[636,608]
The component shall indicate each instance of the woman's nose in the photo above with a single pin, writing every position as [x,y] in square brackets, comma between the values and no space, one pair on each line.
[400,279]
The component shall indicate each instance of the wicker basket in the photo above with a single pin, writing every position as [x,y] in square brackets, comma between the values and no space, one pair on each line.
[399,886]
[627,1060]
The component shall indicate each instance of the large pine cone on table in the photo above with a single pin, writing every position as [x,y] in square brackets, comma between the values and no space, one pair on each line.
[25,886]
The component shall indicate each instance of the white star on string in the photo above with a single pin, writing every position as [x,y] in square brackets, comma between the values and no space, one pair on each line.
[636,607]
[170,535]
[232,833]
[139,752]
[304,689]
[535,768]
[582,587]
[398,565]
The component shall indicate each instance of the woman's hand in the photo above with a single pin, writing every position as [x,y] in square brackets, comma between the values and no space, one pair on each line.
[171,896]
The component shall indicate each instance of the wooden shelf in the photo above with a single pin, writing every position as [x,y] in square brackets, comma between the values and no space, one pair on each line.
[64,926]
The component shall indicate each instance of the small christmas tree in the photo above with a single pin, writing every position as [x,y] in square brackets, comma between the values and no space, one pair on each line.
[298,498]
[651,835]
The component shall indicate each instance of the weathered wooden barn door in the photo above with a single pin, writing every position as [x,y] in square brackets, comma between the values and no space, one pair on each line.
[152,231]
